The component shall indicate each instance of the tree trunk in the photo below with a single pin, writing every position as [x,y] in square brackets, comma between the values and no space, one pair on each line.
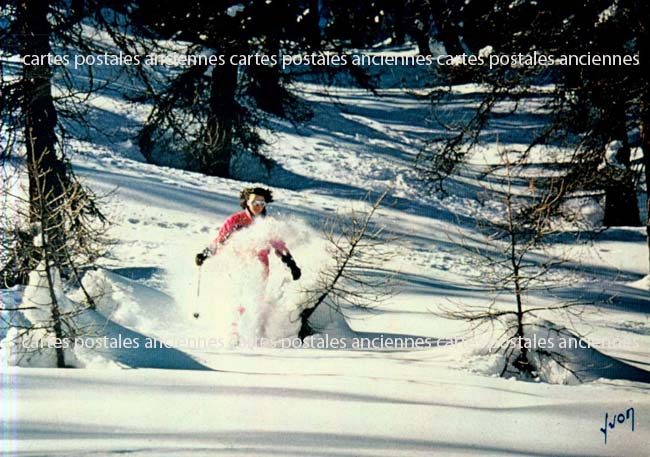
[47,172]
[217,154]
[422,40]
[313,25]
[522,364]
[38,106]
[419,27]
[645,146]
[621,202]
[399,30]
[305,328]
[644,54]
[448,31]
[266,88]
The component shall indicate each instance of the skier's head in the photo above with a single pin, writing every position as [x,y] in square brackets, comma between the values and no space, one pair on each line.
[254,199]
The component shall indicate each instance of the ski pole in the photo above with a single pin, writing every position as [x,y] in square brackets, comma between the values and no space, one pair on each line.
[198,293]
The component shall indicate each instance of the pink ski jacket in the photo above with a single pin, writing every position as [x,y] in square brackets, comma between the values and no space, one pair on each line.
[234,223]
[237,222]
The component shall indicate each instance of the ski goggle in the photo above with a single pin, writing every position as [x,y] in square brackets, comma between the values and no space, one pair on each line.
[258,203]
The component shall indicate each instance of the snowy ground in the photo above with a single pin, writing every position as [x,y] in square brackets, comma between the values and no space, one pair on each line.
[260,401]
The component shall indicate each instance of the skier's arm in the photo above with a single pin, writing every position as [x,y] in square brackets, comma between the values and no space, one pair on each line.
[282,251]
[226,230]
[280,247]
[287,259]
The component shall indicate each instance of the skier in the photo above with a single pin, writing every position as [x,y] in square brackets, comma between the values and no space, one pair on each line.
[253,201]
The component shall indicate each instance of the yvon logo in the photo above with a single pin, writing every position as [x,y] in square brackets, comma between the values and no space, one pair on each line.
[620,419]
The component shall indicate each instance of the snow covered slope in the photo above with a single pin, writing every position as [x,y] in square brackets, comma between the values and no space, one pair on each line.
[199,396]
[319,403]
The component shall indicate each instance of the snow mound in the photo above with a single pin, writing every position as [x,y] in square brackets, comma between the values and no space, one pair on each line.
[124,330]
[558,356]
[643,283]
[37,347]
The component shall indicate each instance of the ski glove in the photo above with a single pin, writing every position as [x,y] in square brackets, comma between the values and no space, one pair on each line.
[201,256]
[287,259]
